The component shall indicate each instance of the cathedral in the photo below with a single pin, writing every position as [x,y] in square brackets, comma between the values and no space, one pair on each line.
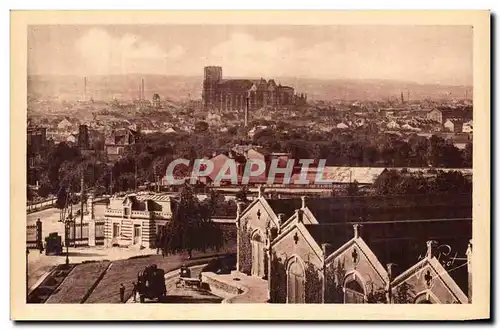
[240,94]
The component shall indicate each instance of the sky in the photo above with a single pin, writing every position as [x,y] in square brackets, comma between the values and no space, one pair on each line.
[422,54]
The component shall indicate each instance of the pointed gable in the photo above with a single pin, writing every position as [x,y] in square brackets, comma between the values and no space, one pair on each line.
[296,240]
[357,258]
[259,214]
[429,281]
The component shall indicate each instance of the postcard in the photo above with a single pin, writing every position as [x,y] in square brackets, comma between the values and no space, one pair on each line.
[291,165]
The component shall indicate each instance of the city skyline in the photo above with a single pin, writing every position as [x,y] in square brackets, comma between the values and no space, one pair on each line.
[421,54]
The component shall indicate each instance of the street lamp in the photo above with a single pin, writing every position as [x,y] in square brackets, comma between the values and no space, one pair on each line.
[67,223]
[27,276]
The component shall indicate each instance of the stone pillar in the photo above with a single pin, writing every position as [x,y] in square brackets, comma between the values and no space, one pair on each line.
[281,221]
[469,271]
[90,201]
[269,257]
[356,230]
[238,238]
[327,250]
[388,296]
[38,235]
[92,232]
[430,249]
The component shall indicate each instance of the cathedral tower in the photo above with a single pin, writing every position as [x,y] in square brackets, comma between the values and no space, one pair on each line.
[213,75]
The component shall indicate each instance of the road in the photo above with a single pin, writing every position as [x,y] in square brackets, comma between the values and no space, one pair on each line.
[50,219]
[40,264]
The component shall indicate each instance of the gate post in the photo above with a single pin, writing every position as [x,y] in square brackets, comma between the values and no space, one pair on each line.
[91,220]
[92,232]
[39,242]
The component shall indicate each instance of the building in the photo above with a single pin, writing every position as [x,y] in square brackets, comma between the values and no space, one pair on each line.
[120,139]
[133,220]
[467,127]
[156,101]
[72,138]
[238,94]
[36,141]
[83,140]
[36,137]
[441,115]
[454,125]
[394,249]
[393,125]
[64,124]
[342,126]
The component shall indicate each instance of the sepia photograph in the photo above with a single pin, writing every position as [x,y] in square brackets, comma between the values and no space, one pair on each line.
[265,163]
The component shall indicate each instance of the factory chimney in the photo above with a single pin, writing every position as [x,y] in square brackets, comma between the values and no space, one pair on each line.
[402,98]
[142,90]
[85,88]
[246,111]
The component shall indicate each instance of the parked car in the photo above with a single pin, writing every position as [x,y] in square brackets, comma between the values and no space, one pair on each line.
[221,265]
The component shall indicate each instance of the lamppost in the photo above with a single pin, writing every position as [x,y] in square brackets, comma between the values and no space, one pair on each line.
[67,224]
[27,276]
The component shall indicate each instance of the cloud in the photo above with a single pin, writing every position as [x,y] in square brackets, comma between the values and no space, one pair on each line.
[176,52]
[362,54]
[244,55]
[102,53]
[429,55]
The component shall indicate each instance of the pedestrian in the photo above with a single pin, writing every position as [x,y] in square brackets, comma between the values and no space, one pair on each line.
[134,290]
[122,293]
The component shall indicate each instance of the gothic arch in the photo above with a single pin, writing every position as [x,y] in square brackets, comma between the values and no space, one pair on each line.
[426,297]
[296,279]
[258,243]
[258,236]
[354,288]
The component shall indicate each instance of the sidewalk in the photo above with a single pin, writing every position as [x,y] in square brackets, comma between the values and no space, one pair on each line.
[237,288]
[39,263]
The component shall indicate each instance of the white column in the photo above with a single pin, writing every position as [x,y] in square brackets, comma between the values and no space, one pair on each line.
[91,232]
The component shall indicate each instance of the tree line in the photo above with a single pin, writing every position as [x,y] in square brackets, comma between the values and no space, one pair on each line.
[60,166]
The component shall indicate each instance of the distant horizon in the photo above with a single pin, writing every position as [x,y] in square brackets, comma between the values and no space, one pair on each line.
[248,77]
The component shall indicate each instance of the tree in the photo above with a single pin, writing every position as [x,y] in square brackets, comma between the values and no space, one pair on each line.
[62,198]
[191,227]
[387,182]
[200,126]
[44,189]
[241,195]
[452,181]
[468,155]
[335,275]
[30,194]
[352,189]
[404,294]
